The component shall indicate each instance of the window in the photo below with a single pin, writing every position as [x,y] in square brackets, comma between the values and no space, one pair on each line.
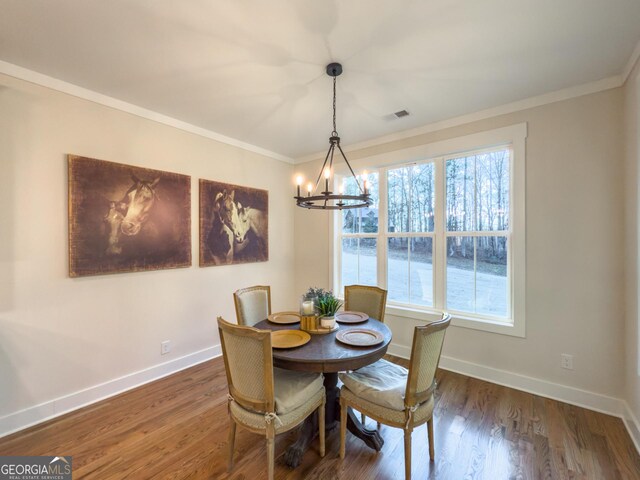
[410,231]
[477,231]
[445,232]
[359,228]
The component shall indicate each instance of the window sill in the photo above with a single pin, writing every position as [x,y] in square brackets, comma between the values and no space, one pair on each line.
[459,320]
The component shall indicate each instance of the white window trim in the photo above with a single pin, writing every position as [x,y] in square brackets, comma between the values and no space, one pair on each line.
[514,135]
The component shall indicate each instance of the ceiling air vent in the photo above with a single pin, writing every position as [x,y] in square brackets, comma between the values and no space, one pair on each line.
[401,113]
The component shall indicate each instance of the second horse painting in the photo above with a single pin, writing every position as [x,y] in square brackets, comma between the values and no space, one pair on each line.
[234,224]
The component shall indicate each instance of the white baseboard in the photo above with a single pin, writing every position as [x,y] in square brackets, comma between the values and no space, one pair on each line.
[632,424]
[574,396]
[59,406]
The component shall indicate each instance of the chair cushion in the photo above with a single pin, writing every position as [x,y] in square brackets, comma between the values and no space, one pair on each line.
[389,416]
[382,383]
[293,389]
[288,420]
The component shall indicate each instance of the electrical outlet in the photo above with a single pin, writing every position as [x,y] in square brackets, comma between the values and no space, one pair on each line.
[165,347]
[566,361]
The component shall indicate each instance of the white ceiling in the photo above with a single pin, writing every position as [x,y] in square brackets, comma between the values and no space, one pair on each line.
[253,70]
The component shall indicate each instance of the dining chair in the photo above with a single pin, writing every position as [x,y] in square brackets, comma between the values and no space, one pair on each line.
[366,299]
[369,300]
[394,395]
[253,304]
[264,399]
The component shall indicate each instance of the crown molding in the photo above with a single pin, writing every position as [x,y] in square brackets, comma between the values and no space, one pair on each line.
[86,94]
[531,102]
[633,59]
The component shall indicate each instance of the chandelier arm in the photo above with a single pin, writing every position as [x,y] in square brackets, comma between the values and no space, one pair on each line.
[331,161]
[323,165]
[350,169]
[327,180]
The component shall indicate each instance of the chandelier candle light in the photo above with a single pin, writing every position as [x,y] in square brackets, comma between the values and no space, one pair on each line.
[327,200]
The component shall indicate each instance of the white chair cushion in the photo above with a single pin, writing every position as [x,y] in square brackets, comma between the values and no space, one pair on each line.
[382,383]
[293,389]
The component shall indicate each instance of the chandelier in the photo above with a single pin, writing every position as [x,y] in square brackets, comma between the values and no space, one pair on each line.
[328,200]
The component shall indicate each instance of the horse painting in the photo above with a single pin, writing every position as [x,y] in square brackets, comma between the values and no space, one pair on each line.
[229,232]
[140,199]
[129,215]
[113,221]
[252,226]
[221,238]
[125,218]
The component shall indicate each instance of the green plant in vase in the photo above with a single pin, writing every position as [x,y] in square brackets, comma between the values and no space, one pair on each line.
[327,307]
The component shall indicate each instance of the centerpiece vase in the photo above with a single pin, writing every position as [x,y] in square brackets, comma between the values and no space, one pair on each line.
[328,322]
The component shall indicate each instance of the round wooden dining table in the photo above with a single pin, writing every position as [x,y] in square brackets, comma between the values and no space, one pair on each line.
[325,354]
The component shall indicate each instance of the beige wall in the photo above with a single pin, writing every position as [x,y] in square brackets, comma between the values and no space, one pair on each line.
[575,270]
[59,335]
[632,160]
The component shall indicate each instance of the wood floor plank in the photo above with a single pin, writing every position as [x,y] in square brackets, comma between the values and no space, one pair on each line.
[176,428]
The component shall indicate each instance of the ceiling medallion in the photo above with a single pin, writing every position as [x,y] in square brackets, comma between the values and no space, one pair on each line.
[328,200]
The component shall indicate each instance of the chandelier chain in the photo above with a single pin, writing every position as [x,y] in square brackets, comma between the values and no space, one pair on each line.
[335,131]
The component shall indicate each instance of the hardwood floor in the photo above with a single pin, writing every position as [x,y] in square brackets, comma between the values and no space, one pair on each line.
[177,428]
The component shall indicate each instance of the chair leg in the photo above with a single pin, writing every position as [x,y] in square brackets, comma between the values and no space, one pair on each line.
[343,427]
[321,427]
[363,418]
[270,452]
[378,425]
[407,454]
[232,441]
[432,451]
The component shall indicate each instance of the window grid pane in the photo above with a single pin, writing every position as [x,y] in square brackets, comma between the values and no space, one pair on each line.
[460,178]
[361,220]
[477,275]
[398,198]
[349,273]
[492,194]
[398,269]
[477,192]
[410,270]
[421,271]
[422,198]
[368,265]
[359,261]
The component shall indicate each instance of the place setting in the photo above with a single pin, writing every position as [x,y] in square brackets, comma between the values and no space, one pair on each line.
[289,338]
[360,337]
[284,318]
[349,317]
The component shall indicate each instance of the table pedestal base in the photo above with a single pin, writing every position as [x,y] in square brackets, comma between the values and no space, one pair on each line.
[309,428]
